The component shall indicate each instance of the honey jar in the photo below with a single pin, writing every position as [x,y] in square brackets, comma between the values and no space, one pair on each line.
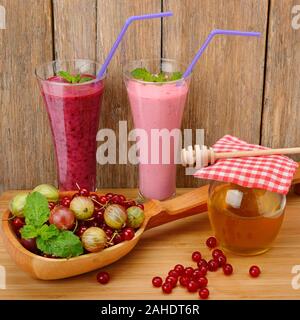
[245,221]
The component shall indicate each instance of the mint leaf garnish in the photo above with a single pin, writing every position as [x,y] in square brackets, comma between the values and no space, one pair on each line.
[48,232]
[144,75]
[65,75]
[29,231]
[85,79]
[65,245]
[73,79]
[36,210]
[175,76]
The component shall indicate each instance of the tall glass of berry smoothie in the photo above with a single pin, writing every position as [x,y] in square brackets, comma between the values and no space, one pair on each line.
[157,94]
[73,97]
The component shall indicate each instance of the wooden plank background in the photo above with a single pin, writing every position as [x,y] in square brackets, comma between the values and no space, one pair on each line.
[246,87]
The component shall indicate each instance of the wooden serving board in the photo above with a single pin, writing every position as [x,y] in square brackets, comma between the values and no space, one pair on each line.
[157,252]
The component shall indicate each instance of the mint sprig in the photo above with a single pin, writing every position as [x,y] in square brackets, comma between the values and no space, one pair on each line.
[49,239]
[144,75]
[73,79]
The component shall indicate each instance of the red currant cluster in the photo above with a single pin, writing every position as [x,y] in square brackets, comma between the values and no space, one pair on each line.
[194,279]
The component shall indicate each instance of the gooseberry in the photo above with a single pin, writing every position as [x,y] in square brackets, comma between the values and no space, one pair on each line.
[115,216]
[48,191]
[94,239]
[82,207]
[135,217]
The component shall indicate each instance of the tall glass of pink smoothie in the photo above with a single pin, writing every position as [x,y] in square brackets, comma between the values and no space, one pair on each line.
[156,104]
[74,110]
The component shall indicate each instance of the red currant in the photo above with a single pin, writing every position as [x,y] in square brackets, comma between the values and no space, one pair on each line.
[188,272]
[254,271]
[216,253]
[172,280]
[121,197]
[211,242]
[102,200]
[227,269]
[109,195]
[118,238]
[196,274]
[115,199]
[140,205]
[98,216]
[203,271]
[192,286]
[75,195]
[167,287]
[204,293]
[128,233]
[196,256]
[51,205]
[79,232]
[179,268]
[202,263]
[98,208]
[109,231]
[84,192]
[130,203]
[94,197]
[103,277]
[173,273]
[202,282]
[221,260]
[66,202]
[17,224]
[184,280]
[213,265]
[157,282]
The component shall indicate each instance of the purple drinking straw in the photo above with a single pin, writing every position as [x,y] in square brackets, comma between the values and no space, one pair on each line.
[121,35]
[208,40]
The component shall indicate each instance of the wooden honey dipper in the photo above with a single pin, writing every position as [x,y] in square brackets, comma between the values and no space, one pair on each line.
[202,156]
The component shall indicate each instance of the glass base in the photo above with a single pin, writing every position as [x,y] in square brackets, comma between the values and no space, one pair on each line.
[142,199]
[245,253]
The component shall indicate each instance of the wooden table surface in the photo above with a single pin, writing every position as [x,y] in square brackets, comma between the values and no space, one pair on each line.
[157,252]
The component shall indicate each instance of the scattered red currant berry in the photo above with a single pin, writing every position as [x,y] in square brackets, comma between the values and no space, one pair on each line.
[227,269]
[128,233]
[211,242]
[167,288]
[221,260]
[84,192]
[216,253]
[103,277]
[171,280]
[173,273]
[202,282]
[179,268]
[188,272]
[212,265]
[203,271]
[192,286]
[202,263]
[196,256]
[196,274]
[254,271]
[204,293]
[157,282]
[184,280]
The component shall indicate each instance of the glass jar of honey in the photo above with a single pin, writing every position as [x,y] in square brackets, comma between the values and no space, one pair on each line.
[245,221]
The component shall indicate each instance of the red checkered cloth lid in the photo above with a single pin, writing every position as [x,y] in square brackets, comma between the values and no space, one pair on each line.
[273,173]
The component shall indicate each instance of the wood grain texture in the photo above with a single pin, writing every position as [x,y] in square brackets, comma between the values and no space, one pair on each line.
[142,41]
[174,242]
[75,29]
[26,146]
[227,84]
[282,95]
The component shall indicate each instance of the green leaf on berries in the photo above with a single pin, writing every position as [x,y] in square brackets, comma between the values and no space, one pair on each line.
[65,245]
[36,210]
[48,232]
[66,75]
[29,231]
[175,76]
[85,79]
[144,75]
